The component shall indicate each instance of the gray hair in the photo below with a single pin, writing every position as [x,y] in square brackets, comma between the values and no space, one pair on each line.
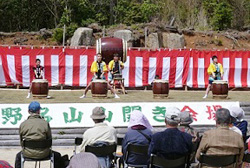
[223,117]
[172,122]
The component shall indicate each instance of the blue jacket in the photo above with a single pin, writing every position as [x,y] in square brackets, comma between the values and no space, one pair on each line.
[242,126]
[171,143]
[135,137]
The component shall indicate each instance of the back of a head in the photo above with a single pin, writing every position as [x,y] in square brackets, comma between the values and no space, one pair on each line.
[223,117]
[84,160]
[186,118]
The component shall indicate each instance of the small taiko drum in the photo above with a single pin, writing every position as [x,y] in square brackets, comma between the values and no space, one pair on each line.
[160,88]
[40,88]
[220,89]
[117,76]
[108,46]
[99,88]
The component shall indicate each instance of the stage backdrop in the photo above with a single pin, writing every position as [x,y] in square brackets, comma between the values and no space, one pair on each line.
[71,67]
[117,114]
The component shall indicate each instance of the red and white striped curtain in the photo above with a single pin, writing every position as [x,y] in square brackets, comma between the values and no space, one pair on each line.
[71,67]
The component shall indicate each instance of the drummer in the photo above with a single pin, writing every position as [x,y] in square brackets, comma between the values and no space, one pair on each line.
[215,72]
[38,74]
[98,68]
[115,67]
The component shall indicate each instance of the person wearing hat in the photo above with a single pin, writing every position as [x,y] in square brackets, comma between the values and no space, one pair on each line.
[139,133]
[186,120]
[100,134]
[171,143]
[36,128]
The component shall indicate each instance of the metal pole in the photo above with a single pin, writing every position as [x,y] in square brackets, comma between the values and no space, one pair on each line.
[64,33]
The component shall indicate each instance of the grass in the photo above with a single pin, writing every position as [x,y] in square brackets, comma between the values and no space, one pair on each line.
[72,96]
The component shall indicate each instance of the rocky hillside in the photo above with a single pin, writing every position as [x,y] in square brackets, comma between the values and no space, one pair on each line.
[157,36]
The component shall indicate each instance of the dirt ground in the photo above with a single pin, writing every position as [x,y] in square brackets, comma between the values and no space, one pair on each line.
[10,155]
[72,96]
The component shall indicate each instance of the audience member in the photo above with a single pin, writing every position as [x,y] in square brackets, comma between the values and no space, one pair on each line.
[4,164]
[171,143]
[100,134]
[221,141]
[240,123]
[36,128]
[84,160]
[139,133]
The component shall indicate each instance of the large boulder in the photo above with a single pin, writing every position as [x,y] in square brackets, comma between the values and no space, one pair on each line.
[82,36]
[152,41]
[123,34]
[173,40]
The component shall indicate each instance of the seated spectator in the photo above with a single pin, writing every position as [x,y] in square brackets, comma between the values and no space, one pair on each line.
[240,123]
[171,143]
[233,119]
[36,128]
[186,120]
[100,134]
[4,164]
[221,141]
[84,160]
[139,133]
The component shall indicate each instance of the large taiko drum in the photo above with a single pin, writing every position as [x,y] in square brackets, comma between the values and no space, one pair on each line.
[40,88]
[108,46]
[220,89]
[99,88]
[160,88]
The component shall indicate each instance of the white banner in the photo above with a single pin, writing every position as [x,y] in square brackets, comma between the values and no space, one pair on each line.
[118,114]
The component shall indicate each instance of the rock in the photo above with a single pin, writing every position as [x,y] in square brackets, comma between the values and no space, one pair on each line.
[20,41]
[152,41]
[7,34]
[173,40]
[96,28]
[45,33]
[82,36]
[123,34]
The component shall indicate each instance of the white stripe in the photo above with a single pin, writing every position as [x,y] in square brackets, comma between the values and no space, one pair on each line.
[165,68]
[69,70]
[226,68]
[179,71]
[26,70]
[83,70]
[12,68]
[125,72]
[237,72]
[2,76]
[201,73]
[152,70]
[190,72]
[248,73]
[138,71]
[54,70]
[41,57]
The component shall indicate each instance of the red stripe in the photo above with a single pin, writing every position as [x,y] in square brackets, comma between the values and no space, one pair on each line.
[186,56]
[91,53]
[195,67]
[231,70]
[172,71]
[47,65]
[132,66]
[159,63]
[62,68]
[5,65]
[145,68]
[244,69]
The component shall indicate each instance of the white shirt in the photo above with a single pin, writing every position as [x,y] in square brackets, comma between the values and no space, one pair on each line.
[236,129]
[100,132]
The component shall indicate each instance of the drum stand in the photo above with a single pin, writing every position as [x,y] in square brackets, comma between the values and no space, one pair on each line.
[121,82]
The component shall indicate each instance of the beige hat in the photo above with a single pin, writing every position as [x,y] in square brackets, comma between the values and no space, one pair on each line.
[98,113]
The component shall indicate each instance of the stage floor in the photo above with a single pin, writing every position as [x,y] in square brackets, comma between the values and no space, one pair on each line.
[72,96]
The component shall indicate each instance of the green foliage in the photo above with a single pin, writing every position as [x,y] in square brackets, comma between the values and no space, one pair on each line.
[219,14]
[58,35]
[70,30]
[32,15]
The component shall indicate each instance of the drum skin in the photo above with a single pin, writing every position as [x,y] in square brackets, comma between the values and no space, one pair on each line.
[99,88]
[40,88]
[160,88]
[108,46]
[220,89]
